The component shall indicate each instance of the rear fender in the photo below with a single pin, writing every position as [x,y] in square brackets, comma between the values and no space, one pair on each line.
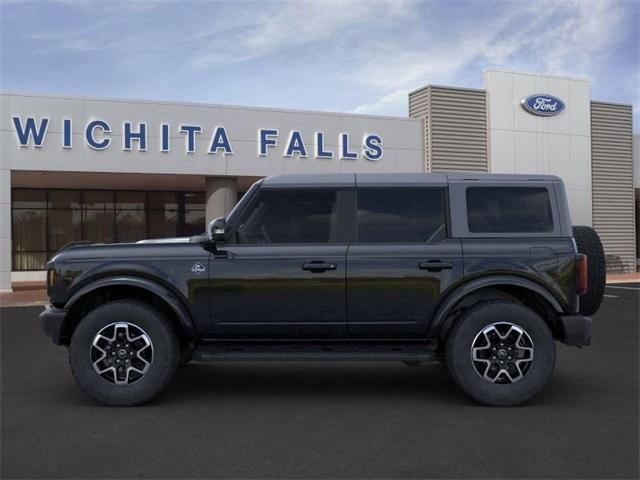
[439,324]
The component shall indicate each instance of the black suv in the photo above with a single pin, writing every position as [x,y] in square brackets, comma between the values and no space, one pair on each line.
[480,272]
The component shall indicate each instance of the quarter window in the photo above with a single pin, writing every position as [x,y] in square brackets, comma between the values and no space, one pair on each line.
[509,210]
[401,215]
[289,216]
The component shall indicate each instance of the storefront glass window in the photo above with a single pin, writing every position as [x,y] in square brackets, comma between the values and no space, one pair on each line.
[29,229]
[45,220]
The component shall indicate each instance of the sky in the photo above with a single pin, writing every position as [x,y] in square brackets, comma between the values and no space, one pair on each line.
[344,56]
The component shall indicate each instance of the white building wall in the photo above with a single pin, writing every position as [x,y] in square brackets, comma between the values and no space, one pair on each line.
[402,138]
[520,142]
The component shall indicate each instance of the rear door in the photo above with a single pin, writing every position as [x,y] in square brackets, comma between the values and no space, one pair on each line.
[401,262]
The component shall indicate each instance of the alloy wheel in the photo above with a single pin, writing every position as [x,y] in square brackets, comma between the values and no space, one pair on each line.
[121,353]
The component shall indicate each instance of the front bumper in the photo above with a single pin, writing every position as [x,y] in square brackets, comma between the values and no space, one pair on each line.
[52,323]
[576,329]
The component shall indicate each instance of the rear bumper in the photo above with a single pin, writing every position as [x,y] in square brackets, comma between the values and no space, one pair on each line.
[52,324]
[576,329]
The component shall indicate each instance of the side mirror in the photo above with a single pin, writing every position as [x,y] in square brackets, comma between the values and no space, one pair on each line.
[217,229]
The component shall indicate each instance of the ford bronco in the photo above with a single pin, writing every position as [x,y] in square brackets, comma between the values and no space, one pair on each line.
[482,272]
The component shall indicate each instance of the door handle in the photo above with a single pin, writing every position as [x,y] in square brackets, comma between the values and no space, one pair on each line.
[318,267]
[434,266]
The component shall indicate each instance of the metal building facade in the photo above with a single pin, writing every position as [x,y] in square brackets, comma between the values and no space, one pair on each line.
[612,174]
[455,121]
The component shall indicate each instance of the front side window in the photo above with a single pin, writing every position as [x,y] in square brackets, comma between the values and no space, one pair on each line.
[509,210]
[401,215]
[289,216]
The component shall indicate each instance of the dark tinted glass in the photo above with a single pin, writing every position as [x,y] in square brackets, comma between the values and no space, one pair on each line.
[162,223]
[21,198]
[194,223]
[98,226]
[290,216]
[509,210]
[162,201]
[64,227]
[45,220]
[194,200]
[130,200]
[29,230]
[64,199]
[401,215]
[98,199]
[131,225]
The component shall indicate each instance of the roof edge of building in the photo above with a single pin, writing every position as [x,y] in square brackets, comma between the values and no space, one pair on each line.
[201,104]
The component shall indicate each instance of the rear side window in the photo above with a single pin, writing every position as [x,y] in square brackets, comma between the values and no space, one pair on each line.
[401,215]
[509,210]
[289,216]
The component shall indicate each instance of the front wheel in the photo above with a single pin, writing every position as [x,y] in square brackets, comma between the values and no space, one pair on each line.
[123,353]
[500,353]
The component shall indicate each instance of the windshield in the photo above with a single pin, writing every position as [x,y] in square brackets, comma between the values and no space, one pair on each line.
[247,195]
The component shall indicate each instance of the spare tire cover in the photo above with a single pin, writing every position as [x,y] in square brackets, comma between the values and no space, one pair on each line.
[588,243]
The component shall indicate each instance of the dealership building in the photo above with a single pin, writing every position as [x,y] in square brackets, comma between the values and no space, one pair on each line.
[107,170]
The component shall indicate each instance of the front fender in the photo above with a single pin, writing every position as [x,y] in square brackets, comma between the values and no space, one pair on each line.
[451,300]
[182,314]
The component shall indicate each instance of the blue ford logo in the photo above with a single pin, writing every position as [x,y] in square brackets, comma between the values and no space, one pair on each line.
[540,104]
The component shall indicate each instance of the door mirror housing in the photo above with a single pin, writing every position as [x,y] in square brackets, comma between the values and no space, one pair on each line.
[217,230]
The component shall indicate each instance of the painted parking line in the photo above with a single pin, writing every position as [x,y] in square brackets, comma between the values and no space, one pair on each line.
[610,296]
[624,288]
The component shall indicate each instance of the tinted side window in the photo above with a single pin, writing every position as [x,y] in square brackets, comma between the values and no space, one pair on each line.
[401,215]
[509,210]
[289,216]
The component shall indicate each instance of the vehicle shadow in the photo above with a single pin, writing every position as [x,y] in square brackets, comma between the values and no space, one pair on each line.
[346,380]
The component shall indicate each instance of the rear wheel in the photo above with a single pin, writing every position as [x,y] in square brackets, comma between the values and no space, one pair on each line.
[123,353]
[588,243]
[500,353]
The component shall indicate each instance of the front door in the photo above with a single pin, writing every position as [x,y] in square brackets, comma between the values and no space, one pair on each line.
[401,263]
[282,275]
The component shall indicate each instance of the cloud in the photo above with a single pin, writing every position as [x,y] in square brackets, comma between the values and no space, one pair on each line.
[394,103]
[548,36]
[287,25]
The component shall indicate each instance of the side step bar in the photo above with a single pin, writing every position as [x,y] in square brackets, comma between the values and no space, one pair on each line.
[315,352]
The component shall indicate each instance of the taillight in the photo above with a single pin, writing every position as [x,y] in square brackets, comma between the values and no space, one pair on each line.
[582,279]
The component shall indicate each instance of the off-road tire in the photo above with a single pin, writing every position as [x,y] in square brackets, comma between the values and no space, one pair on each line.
[166,353]
[458,351]
[588,243]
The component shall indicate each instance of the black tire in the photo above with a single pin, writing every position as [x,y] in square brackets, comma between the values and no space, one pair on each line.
[465,371]
[164,347]
[588,243]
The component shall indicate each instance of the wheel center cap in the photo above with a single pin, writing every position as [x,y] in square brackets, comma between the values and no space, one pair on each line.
[122,353]
[502,353]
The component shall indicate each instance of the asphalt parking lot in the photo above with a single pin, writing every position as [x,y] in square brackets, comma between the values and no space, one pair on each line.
[324,420]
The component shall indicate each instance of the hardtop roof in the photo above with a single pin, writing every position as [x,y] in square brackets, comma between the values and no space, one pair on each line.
[319,180]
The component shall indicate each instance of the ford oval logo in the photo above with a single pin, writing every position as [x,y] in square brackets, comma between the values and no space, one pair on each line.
[545,105]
